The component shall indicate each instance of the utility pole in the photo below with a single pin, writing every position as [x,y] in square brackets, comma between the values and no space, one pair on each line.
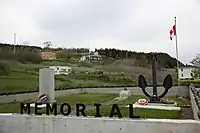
[14,43]
[126,54]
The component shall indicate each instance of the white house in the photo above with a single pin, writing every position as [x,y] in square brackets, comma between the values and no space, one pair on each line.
[91,56]
[61,70]
[186,72]
[83,58]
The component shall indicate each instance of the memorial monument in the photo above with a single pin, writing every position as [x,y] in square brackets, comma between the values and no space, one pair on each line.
[124,94]
[167,84]
[46,87]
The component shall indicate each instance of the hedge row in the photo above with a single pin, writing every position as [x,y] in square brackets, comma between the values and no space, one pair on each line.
[187,82]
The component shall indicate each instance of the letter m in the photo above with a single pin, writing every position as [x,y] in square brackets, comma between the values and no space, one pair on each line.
[25,108]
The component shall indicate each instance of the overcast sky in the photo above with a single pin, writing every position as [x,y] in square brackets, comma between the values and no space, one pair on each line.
[137,25]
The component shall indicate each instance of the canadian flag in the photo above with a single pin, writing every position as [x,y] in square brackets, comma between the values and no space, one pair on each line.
[172,32]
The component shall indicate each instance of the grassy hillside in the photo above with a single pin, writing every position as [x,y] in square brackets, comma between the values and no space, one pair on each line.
[141,59]
[22,76]
[20,71]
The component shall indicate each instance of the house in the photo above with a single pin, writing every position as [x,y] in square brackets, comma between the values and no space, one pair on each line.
[91,56]
[186,72]
[61,70]
[48,55]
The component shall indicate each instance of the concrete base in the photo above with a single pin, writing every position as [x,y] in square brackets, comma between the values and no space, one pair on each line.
[120,98]
[162,104]
[155,106]
[60,124]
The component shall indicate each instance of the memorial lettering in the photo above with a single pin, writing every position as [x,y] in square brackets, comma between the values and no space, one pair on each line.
[65,110]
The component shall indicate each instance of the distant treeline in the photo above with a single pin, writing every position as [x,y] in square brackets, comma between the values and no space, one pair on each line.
[163,59]
[22,53]
[26,53]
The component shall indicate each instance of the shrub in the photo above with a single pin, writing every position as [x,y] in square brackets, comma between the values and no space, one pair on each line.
[196,72]
[121,80]
[103,77]
[186,82]
[4,69]
[22,56]
[98,72]
[115,79]
[32,57]
[60,78]
[64,85]
[84,64]
[64,55]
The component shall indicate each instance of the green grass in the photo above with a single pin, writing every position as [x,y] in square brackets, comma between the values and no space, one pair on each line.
[27,79]
[23,82]
[12,84]
[90,99]
[71,99]
[24,77]
[143,113]
[54,63]
[18,80]
[87,99]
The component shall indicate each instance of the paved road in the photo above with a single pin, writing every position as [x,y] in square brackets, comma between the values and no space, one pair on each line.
[134,90]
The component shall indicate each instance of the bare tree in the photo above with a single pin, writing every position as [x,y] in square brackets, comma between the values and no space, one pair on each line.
[196,63]
[26,43]
[47,44]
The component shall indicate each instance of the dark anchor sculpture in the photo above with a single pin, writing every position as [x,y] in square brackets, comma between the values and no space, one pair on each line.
[167,83]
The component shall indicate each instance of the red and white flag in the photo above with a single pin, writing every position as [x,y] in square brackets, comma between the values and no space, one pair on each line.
[172,32]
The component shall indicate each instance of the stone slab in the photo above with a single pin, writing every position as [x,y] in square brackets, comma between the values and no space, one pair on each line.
[160,107]
[162,104]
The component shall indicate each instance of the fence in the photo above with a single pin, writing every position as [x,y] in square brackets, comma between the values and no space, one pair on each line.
[195,101]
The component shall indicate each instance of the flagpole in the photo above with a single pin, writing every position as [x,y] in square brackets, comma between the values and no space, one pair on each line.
[177,59]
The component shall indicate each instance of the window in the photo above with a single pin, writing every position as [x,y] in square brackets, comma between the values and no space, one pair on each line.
[181,75]
[191,74]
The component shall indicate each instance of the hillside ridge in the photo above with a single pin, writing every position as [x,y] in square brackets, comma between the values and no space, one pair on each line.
[141,59]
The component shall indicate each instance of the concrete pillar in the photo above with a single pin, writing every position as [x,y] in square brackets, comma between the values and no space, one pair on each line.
[46,83]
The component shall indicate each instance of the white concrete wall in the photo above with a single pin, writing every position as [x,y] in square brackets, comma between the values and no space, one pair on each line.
[134,90]
[51,124]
